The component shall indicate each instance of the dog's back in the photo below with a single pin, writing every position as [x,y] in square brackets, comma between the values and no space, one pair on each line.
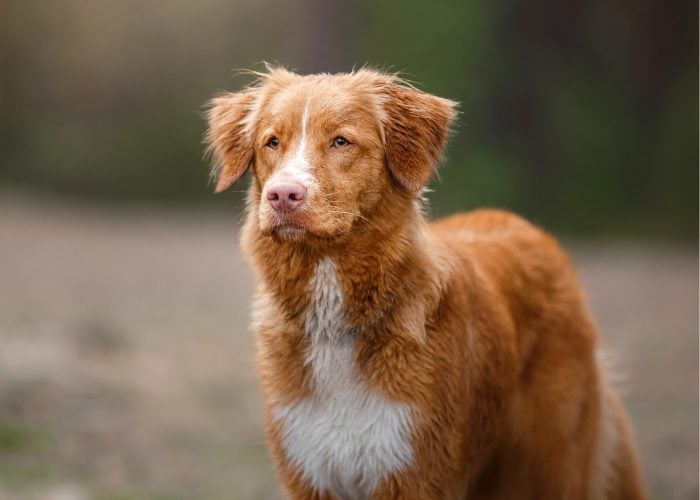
[566,430]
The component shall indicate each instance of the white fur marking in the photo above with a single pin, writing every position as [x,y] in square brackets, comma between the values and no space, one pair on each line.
[298,168]
[345,438]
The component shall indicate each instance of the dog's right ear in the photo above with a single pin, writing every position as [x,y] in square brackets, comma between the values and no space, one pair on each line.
[228,138]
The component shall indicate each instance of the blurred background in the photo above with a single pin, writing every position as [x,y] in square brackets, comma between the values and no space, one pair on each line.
[127,368]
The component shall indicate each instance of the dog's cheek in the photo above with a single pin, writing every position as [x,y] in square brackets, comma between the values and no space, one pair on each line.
[258,208]
[368,198]
[376,183]
[261,172]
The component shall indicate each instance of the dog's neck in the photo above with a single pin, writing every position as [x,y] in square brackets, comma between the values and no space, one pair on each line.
[380,260]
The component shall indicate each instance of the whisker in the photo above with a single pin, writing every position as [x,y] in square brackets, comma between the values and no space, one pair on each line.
[326,195]
[340,212]
[243,192]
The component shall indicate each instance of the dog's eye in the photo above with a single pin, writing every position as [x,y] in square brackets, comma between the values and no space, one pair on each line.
[340,142]
[273,143]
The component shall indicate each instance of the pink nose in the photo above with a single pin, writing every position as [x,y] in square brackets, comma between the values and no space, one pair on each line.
[285,196]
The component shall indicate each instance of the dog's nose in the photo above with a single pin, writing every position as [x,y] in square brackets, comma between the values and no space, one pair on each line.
[285,196]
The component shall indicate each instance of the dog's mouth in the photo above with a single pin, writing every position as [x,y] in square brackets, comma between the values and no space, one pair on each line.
[293,229]
[316,227]
[296,232]
[289,231]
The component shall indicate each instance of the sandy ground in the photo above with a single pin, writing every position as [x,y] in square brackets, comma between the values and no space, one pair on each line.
[127,368]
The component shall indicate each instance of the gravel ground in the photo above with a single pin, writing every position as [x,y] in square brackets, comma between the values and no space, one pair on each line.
[126,368]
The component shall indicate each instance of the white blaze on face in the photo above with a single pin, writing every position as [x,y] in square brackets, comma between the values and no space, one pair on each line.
[298,168]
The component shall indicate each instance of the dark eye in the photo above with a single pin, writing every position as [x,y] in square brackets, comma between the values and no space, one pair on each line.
[340,142]
[273,143]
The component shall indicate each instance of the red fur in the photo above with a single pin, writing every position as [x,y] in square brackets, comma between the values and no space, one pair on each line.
[416,128]
[230,144]
[476,322]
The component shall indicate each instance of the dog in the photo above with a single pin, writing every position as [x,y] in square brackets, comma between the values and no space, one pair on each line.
[400,358]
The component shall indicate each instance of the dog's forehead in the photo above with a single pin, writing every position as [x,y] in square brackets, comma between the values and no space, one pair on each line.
[337,97]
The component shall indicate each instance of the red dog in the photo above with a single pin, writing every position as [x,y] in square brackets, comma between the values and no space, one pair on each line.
[401,359]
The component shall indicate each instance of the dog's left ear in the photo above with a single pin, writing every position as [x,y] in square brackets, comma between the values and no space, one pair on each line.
[416,126]
[229,142]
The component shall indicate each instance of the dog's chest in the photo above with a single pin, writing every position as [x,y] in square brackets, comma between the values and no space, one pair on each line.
[345,438]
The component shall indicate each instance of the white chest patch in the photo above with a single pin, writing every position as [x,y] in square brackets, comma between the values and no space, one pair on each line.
[345,438]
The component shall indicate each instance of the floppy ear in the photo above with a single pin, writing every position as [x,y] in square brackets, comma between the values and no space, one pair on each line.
[229,142]
[416,126]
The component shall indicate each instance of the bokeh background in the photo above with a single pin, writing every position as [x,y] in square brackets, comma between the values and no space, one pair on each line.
[127,368]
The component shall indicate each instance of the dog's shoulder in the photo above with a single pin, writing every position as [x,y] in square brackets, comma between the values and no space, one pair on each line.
[485,222]
[489,233]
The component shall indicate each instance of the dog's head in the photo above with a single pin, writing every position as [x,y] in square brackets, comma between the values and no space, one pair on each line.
[325,149]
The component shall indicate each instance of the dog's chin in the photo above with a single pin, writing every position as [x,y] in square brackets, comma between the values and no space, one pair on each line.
[304,228]
[288,232]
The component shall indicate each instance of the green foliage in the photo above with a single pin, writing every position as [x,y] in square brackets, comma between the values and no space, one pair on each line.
[581,115]
[14,437]
[22,454]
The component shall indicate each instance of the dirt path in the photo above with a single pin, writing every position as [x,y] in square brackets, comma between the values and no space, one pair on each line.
[126,368]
